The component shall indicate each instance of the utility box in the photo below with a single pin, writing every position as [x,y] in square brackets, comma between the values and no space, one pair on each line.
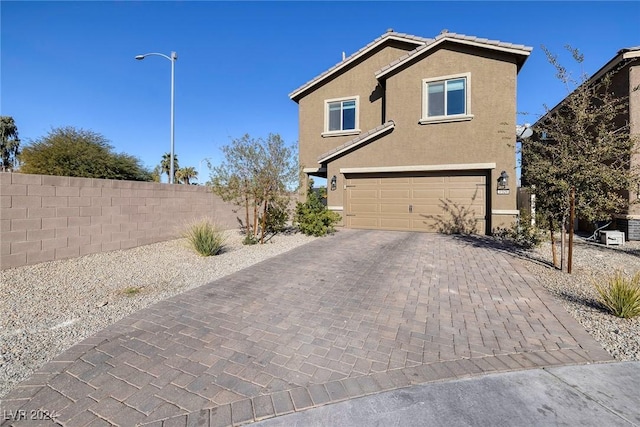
[612,237]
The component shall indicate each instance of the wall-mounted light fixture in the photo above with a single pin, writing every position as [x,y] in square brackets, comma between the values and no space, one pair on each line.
[334,182]
[503,181]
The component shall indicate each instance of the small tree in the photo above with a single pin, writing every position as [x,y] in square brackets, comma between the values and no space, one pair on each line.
[9,143]
[82,153]
[580,157]
[256,174]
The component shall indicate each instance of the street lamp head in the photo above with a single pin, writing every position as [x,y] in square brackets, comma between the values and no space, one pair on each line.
[139,57]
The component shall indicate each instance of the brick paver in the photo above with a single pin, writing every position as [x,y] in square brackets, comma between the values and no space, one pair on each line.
[345,316]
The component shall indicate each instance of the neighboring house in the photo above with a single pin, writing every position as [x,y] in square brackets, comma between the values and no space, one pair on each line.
[407,122]
[624,70]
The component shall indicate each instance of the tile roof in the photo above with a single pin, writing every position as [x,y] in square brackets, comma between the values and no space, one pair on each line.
[423,45]
[454,37]
[386,36]
[360,139]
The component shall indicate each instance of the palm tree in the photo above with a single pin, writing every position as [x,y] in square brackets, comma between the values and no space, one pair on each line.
[186,174]
[165,164]
[156,173]
[9,143]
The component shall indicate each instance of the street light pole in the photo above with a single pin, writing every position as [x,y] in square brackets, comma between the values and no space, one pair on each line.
[173,58]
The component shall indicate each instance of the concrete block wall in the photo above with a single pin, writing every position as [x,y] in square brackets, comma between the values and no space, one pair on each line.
[45,218]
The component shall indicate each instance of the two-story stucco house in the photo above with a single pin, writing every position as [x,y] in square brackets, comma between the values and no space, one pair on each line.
[407,122]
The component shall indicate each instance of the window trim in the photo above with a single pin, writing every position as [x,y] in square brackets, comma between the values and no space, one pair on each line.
[327,132]
[426,119]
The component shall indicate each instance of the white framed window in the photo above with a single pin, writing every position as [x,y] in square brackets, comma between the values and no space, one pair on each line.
[446,99]
[341,116]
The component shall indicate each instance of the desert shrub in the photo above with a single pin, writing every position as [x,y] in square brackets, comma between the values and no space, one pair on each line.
[521,233]
[205,237]
[621,295]
[250,239]
[312,217]
[277,217]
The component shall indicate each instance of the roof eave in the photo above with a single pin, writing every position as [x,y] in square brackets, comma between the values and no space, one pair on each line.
[296,94]
[622,55]
[388,126]
[522,53]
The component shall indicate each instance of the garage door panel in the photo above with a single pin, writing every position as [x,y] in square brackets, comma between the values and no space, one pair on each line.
[428,193]
[390,208]
[479,179]
[364,194]
[428,180]
[395,223]
[364,222]
[364,208]
[465,193]
[383,202]
[396,194]
[432,209]
[388,182]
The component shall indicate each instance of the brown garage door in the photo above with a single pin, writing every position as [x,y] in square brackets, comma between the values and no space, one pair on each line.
[399,202]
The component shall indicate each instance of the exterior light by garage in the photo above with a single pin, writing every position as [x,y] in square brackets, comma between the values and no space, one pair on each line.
[503,183]
[334,182]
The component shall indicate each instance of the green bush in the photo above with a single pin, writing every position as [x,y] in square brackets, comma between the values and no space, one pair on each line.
[312,217]
[277,217]
[621,295]
[250,239]
[205,237]
[521,233]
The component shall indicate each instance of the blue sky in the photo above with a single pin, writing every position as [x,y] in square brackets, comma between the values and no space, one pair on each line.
[72,63]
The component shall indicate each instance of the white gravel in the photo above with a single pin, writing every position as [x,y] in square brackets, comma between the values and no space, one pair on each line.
[49,307]
[593,262]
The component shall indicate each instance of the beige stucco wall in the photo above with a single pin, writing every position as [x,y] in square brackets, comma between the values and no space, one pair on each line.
[45,218]
[633,91]
[487,138]
[359,80]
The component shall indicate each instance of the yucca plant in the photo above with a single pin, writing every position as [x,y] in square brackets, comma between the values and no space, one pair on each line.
[621,295]
[205,237]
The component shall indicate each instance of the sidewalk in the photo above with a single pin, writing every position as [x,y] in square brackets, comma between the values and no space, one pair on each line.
[582,395]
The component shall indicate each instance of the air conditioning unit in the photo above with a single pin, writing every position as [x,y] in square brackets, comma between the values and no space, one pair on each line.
[612,237]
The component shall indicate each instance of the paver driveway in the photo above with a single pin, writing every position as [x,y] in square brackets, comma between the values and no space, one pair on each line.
[344,316]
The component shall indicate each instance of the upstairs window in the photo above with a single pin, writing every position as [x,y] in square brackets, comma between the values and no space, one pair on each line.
[446,99]
[341,116]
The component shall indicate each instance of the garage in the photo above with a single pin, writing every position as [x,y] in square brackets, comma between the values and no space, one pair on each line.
[412,202]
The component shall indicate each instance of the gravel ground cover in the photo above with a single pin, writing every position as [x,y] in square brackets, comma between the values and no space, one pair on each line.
[49,307]
[592,262]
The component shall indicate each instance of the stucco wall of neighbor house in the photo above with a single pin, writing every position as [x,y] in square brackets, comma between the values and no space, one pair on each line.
[633,91]
[360,80]
[45,218]
[488,138]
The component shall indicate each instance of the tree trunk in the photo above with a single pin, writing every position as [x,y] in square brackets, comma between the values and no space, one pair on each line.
[554,251]
[563,232]
[264,221]
[255,218]
[572,215]
[246,207]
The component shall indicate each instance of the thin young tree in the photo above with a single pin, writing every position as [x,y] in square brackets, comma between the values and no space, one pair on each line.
[234,179]
[579,159]
[257,174]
